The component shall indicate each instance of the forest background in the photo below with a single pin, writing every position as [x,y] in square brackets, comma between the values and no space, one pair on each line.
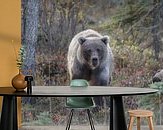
[136,32]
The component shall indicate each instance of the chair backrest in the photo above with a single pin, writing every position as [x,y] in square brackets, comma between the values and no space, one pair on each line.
[79,102]
[79,83]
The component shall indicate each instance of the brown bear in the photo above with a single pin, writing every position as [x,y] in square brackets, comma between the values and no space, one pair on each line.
[158,77]
[90,57]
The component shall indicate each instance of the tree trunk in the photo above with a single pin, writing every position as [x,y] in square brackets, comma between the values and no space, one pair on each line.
[30,19]
[156,39]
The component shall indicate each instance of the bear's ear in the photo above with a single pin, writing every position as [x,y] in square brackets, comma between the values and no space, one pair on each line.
[81,40]
[105,39]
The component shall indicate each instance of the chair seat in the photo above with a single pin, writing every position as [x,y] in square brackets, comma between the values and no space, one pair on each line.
[80,102]
[140,113]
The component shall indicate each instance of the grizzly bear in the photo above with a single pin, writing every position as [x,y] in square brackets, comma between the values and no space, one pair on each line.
[158,77]
[90,57]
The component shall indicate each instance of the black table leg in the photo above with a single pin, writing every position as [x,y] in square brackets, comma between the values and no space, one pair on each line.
[117,116]
[9,114]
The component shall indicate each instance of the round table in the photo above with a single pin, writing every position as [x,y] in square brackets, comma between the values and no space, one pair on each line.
[117,116]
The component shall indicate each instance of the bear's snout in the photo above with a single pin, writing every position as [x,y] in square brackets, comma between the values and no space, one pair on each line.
[94,61]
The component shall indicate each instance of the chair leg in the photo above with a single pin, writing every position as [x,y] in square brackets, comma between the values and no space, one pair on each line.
[138,123]
[90,120]
[131,123]
[150,122]
[69,119]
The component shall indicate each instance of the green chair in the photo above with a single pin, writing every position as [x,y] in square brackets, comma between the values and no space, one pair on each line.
[79,102]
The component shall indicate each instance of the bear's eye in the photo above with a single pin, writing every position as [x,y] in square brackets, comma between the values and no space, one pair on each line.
[98,50]
[89,51]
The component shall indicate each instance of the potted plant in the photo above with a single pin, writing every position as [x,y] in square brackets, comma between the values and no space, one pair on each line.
[20,59]
[18,82]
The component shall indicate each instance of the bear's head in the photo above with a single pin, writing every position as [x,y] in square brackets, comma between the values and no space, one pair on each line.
[93,51]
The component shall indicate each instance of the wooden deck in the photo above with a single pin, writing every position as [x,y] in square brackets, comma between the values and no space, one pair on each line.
[80,127]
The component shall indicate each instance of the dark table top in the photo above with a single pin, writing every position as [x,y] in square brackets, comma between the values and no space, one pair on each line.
[64,91]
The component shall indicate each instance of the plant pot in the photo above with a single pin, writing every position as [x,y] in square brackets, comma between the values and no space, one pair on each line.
[18,82]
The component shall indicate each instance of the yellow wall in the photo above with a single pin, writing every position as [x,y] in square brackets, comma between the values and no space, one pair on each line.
[10,29]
